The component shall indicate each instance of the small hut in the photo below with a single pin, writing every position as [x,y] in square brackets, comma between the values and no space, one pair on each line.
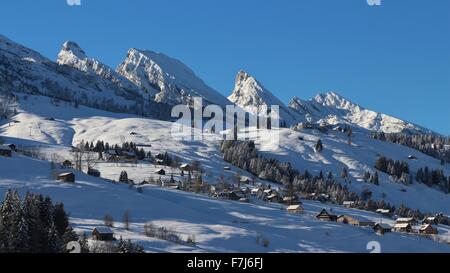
[381,228]
[324,215]
[403,227]
[160,172]
[67,177]
[295,209]
[103,234]
[428,229]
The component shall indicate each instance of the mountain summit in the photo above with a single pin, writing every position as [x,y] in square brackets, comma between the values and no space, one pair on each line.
[333,108]
[169,79]
[250,95]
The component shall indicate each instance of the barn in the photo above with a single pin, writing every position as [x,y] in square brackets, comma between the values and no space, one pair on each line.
[324,215]
[103,234]
[355,221]
[428,229]
[67,177]
[381,228]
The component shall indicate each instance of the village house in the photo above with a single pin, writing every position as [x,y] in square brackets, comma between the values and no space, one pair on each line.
[256,191]
[103,234]
[5,151]
[66,177]
[324,215]
[381,228]
[355,221]
[384,212]
[428,229]
[295,209]
[186,168]
[272,198]
[403,227]
[246,180]
[160,172]
[349,204]
[227,195]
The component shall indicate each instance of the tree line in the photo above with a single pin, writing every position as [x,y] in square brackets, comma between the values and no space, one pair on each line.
[433,145]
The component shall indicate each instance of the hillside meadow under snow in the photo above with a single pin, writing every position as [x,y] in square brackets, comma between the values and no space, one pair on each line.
[218,225]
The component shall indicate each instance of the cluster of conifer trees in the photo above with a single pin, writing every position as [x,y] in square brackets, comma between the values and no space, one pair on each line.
[433,145]
[33,225]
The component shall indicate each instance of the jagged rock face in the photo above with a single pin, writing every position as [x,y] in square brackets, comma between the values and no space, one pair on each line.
[250,95]
[331,108]
[74,56]
[170,80]
[75,78]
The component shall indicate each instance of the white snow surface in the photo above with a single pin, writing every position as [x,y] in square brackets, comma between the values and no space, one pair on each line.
[219,226]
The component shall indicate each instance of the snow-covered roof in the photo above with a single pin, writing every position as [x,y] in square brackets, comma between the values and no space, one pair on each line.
[383,225]
[424,227]
[405,220]
[402,225]
[104,230]
[294,207]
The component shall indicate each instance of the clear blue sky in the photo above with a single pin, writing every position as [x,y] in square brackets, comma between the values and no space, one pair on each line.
[394,58]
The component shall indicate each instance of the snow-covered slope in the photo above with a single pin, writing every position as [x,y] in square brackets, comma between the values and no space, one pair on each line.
[250,95]
[332,108]
[219,226]
[170,80]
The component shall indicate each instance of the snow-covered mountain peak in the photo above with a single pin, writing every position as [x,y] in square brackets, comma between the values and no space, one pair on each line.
[169,79]
[332,108]
[250,95]
[248,92]
[73,48]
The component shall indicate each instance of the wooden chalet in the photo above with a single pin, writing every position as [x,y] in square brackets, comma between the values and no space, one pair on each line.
[67,177]
[349,204]
[428,229]
[295,209]
[383,211]
[324,215]
[186,167]
[246,180]
[381,228]
[160,172]
[355,221]
[403,227]
[103,234]
[406,220]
